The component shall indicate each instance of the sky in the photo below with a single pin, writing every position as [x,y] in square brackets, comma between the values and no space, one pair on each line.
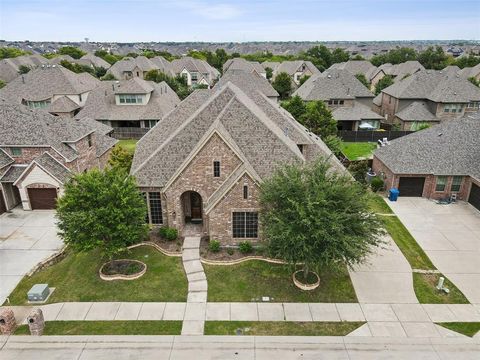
[238,21]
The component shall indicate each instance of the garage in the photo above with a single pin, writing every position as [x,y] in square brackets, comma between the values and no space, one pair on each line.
[42,199]
[411,186]
[474,197]
[3,208]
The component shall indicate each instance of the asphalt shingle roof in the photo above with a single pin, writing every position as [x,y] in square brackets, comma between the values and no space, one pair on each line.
[450,148]
[53,167]
[63,105]
[5,159]
[356,112]
[355,67]
[13,173]
[248,82]
[333,84]
[263,138]
[44,82]
[242,64]
[417,111]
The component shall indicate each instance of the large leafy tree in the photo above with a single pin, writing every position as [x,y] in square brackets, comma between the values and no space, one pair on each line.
[318,119]
[283,84]
[178,83]
[11,52]
[433,58]
[395,56]
[295,106]
[383,83]
[101,210]
[73,51]
[314,216]
[121,159]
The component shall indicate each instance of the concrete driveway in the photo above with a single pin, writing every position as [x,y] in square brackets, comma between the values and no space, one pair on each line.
[26,238]
[450,235]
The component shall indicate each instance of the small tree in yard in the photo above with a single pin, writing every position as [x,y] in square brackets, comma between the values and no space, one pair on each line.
[295,106]
[283,84]
[120,159]
[101,210]
[318,119]
[383,83]
[313,216]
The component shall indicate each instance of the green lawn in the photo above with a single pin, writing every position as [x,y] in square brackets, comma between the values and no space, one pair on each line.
[465,328]
[75,278]
[280,328]
[253,279]
[355,150]
[138,327]
[378,205]
[427,293]
[128,144]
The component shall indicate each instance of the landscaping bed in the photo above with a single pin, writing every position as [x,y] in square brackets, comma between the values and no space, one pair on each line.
[251,280]
[172,246]
[75,278]
[280,328]
[138,327]
[226,254]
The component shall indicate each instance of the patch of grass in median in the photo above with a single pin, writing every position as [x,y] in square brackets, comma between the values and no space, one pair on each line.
[407,244]
[254,279]
[465,328]
[427,293]
[355,150]
[128,145]
[75,278]
[107,328]
[378,205]
[280,328]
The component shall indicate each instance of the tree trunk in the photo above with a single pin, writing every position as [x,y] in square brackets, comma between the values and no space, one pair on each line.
[305,271]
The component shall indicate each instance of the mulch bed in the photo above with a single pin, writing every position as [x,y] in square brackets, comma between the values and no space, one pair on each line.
[223,254]
[171,246]
[122,267]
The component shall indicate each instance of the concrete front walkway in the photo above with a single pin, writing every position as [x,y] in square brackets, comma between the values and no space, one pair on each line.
[195,309]
[450,236]
[386,277]
[26,238]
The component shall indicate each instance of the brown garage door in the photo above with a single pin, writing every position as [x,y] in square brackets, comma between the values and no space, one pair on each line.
[42,198]
[411,186]
[474,197]
[3,208]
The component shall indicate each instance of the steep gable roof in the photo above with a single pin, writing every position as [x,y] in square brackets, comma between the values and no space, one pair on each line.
[247,81]
[227,110]
[242,64]
[62,105]
[355,67]
[333,84]
[44,82]
[356,112]
[416,111]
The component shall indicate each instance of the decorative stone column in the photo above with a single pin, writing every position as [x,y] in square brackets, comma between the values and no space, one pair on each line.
[36,323]
[7,321]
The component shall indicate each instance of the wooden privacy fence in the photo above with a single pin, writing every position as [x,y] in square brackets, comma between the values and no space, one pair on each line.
[122,133]
[373,136]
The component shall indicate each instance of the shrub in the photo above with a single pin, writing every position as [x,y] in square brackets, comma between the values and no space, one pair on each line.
[359,169]
[214,246]
[245,247]
[230,251]
[168,233]
[376,184]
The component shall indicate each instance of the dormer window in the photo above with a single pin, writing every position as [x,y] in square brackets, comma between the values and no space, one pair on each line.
[130,99]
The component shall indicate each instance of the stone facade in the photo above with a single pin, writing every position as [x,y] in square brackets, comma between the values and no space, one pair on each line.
[392,181]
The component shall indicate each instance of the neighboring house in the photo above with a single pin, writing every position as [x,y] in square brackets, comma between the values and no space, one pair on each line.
[52,88]
[93,61]
[39,152]
[244,65]
[9,68]
[355,67]
[129,67]
[436,162]
[249,82]
[195,71]
[296,69]
[397,72]
[455,51]
[200,168]
[134,103]
[470,72]
[59,58]
[427,96]
[349,100]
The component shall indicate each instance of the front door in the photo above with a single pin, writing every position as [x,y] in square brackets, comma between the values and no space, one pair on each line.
[196,206]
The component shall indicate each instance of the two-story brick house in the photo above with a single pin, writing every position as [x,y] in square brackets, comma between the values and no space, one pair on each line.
[195,71]
[427,96]
[202,164]
[297,69]
[39,152]
[349,100]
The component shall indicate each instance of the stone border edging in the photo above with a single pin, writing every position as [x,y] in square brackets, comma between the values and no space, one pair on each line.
[305,287]
[48,261]
[238,261]
[121,276]
[150,243]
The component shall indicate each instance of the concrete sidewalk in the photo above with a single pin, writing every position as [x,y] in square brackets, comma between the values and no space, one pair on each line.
[235,347]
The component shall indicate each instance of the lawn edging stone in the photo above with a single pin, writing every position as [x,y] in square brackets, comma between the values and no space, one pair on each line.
[122,276]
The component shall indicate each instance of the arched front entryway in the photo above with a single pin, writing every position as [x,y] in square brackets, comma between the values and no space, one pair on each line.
[192,207]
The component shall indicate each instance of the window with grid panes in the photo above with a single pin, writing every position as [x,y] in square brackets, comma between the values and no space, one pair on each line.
[245,224]
[155,207]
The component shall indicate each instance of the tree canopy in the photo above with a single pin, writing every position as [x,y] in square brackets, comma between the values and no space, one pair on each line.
[395,56]
[11,52]
[314,216]
[318,119]
[73,51]
[178,83]
[101,209]
[363,79]
[283,84]
[295,106]
[383,83]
